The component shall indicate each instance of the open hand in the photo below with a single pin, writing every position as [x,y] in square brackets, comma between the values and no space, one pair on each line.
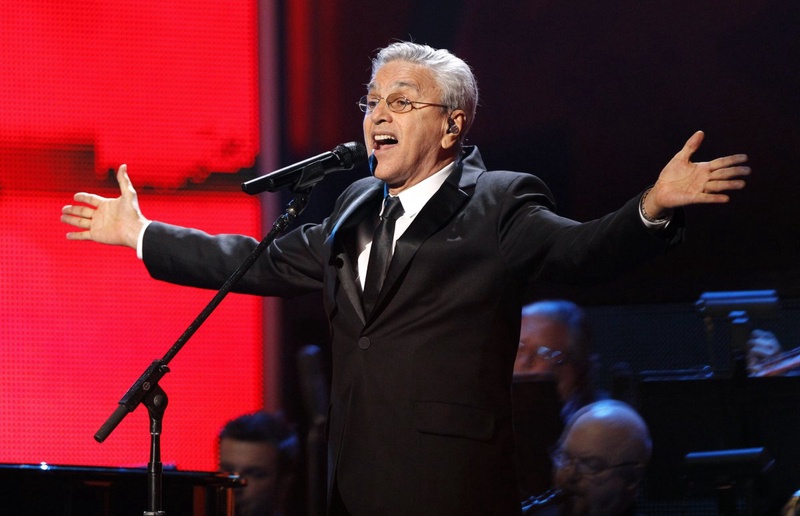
[683,182]
[107,221]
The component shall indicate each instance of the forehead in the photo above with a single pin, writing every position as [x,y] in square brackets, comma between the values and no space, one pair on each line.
[402,76]
[593,437]
[540,330]
[244,453]
[582,442]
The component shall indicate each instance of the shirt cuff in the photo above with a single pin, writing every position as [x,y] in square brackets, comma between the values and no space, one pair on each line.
[658,224]
[650,222]
[140,240]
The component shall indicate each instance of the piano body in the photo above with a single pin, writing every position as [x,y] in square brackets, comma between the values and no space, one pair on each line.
[48,490]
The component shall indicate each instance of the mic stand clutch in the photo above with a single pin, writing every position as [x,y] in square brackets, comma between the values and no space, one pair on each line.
[146,388]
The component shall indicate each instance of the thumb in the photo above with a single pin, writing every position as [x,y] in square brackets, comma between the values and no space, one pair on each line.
[692,144]
[125,185]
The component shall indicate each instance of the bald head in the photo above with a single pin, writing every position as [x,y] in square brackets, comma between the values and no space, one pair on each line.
[605,448]
[615,426]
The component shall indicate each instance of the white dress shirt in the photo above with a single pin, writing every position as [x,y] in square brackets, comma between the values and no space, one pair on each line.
[413,199]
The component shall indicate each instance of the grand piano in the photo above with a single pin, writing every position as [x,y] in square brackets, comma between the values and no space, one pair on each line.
[55,490]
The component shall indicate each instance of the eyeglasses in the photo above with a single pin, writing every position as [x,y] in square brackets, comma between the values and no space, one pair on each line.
[546,354]
[590,467]
[397,102]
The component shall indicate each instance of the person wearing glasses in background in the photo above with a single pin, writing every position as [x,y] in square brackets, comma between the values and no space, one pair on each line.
[598,463]
[425,323]
[555,344]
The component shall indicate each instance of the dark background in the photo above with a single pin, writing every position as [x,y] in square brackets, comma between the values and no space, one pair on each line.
[594,98]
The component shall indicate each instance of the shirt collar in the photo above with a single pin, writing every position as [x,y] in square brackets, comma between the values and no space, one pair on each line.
[415,197]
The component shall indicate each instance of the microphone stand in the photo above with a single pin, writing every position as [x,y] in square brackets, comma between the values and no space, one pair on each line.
[146,389]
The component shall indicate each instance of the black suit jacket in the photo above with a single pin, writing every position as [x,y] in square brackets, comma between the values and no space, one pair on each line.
[420,414]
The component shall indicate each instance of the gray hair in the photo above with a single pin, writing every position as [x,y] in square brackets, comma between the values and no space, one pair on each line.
[452,74]
[573,318]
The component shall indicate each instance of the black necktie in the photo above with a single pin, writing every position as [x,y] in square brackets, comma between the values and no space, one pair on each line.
[381,252]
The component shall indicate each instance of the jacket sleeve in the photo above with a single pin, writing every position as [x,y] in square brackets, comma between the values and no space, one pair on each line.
[290,266]
[558,249]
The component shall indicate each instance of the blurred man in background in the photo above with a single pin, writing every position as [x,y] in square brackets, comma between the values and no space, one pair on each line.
[261,448]
[555,344]
[599,462]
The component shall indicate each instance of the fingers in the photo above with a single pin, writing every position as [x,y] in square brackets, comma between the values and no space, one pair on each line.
[114,221]
[723,185]
[728,161]
[733,184]
[729,172]
[125,187]
[724,174]
[725,162]
[78,235]
[683,182]
[78,222]
[725,179]
[80,217]
[77,211]
[87,198]
[73,215]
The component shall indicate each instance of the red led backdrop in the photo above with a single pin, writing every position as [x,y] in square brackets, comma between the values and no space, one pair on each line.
[171,89]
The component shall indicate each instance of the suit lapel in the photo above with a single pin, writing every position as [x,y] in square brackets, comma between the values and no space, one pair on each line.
[441,208]
[341,243]
[436,213]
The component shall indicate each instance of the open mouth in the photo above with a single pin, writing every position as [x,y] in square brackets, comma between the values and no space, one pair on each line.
[382,140]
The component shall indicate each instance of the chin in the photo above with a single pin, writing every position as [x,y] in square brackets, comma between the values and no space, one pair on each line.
[381,173]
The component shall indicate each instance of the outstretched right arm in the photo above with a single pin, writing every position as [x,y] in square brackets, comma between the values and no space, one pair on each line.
[107,221]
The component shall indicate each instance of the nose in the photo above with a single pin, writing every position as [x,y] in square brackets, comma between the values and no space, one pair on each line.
[381,112]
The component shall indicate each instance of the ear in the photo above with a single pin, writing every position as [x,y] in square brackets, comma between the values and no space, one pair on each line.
[454,125]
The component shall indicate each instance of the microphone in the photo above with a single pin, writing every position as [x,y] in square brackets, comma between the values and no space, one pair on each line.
[309,171]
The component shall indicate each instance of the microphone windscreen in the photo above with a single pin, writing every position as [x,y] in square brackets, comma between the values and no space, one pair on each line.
[351,154]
